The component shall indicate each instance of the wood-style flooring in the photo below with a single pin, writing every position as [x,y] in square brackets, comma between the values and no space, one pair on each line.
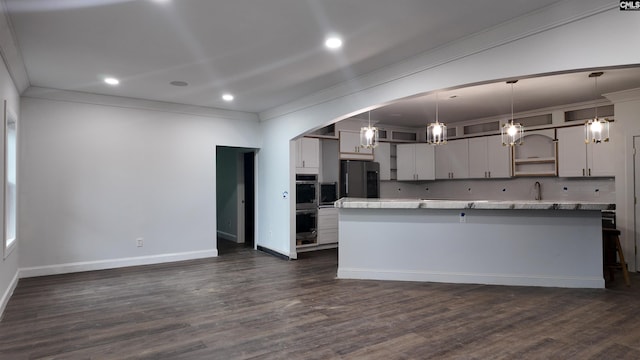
[250,305]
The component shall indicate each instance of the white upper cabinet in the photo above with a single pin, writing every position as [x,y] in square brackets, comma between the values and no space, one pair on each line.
[577,159]
[307,152]
[350,147]
[488,158]
[415,162]
[452,160]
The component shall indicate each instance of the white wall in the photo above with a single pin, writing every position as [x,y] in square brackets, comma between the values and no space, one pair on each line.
[558,38]
[99,172]
[8,265]
[625,127]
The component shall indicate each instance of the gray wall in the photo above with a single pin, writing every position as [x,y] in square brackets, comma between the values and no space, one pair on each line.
[8,265]
[99,172]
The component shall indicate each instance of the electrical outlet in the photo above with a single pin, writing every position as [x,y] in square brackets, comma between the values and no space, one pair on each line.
[463,217]
[140,242]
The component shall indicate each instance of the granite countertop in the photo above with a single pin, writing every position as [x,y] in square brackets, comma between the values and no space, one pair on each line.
[358,203]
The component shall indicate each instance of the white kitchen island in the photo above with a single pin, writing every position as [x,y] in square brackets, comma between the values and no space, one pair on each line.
[534,243]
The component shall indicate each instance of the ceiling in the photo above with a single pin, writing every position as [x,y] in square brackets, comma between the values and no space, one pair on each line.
[494,99]
[270,52]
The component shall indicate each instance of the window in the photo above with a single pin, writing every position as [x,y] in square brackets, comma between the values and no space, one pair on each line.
[10,167]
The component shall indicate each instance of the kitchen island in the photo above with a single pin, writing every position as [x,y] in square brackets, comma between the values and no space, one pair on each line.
[532,243]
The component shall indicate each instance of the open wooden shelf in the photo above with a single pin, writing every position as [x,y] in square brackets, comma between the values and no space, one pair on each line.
[538,156]
[536,160]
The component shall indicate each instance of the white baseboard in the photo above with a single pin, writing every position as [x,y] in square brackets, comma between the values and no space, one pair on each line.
[227,236]
[7,294]
[113,263]
[487,279]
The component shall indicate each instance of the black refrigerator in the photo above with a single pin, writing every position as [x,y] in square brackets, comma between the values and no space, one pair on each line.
[359,179]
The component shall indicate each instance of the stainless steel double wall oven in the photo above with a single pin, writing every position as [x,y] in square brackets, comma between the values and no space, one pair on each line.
[306,209]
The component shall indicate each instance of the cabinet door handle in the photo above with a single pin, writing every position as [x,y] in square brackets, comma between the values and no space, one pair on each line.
[589,171]
[485,174]
[489,173]
[582,172]
[302,163]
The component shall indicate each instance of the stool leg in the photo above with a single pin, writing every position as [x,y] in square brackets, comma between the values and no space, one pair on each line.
[625,272]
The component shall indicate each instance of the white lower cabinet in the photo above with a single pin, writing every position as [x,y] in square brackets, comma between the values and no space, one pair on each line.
[327,226]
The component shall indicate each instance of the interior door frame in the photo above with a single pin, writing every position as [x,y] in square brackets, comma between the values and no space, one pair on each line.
[636,195]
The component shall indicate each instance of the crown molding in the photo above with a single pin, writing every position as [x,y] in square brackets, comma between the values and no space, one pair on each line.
[132,103]
[10,51]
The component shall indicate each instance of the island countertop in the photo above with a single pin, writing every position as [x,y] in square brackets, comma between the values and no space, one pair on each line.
[360,203]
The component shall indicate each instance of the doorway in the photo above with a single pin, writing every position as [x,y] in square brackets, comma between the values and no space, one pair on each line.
[249,199]
[235,198]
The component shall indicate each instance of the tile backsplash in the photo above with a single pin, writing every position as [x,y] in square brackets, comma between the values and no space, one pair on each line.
[552,188]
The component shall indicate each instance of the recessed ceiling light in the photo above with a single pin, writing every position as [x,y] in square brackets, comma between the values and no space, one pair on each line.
[179,83]
[111,81]
[333,42]
[227,97]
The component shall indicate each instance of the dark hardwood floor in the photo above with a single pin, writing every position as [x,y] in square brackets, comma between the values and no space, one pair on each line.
[250,305]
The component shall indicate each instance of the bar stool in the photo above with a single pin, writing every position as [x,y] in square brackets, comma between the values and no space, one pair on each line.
[611,239]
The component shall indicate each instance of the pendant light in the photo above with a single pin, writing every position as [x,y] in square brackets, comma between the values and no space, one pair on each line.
[369,135]
[437,131]
[596,130]
[511,133]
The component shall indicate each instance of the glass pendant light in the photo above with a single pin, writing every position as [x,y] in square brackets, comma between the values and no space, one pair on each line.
[596,130]
[437,131]
[369,135]
[511,133]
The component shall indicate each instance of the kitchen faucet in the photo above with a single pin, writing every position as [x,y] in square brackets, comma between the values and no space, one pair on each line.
[538,189]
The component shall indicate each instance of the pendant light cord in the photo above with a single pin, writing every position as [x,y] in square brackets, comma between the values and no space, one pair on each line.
[596,96]
[436,108]
[511,103]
